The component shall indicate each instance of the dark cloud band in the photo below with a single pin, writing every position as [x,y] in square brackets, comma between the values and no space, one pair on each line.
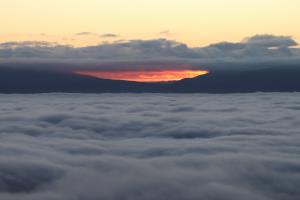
[259,52]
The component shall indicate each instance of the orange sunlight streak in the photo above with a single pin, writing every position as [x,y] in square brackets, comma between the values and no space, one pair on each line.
[145,76]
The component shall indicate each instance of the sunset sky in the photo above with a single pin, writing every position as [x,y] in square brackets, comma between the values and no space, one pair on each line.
[194,22]
[146,76]
[149,99]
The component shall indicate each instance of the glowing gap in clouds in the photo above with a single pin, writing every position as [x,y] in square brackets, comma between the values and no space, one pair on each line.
[145,76]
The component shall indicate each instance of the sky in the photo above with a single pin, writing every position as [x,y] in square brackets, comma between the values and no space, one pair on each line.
[194,22]
[139,31]
[146,76]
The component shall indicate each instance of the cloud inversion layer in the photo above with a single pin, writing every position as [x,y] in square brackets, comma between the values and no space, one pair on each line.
[142,147]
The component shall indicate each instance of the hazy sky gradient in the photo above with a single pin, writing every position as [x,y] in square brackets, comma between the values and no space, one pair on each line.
[195,22]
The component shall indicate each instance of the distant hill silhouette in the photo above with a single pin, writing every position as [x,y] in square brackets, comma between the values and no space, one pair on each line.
[283,79]
[263,80]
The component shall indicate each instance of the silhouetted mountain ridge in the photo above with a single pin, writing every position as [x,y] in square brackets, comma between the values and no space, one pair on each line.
[280,79]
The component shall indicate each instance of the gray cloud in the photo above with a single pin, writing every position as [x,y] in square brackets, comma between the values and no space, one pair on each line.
[87,34]
[107,35]
[197,146]
[253,51]
[258,46]
[110,35]
[271,41]
[141,49]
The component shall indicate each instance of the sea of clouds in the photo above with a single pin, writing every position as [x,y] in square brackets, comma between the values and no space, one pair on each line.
[150,146]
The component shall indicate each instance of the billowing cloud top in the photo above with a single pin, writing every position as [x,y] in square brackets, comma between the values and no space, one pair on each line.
[271,41]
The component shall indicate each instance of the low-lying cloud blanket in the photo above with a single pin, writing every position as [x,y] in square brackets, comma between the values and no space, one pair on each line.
[150,146]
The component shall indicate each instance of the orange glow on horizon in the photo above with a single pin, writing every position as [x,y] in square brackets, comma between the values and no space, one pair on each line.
[145,76]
